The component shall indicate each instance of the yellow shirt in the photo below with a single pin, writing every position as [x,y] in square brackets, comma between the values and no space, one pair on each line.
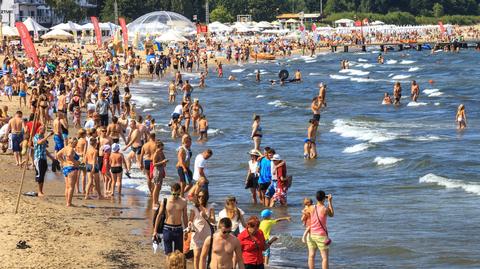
[266,226]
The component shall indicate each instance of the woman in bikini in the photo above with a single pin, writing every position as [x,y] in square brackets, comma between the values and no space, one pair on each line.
[70,162]
[197,111]
[256,132]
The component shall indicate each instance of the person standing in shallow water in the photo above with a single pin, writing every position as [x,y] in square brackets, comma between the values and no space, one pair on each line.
[461,117]
[415,91]
[318,237]
[256,132]
[397,93]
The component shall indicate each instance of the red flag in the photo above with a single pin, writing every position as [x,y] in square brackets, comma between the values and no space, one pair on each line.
[202,28]
[27,43]
[98,33]
[358,23]
[124,31]
[301,28]
[442,28]
[314,27]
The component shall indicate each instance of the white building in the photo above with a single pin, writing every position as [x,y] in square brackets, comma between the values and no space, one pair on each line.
[19,10]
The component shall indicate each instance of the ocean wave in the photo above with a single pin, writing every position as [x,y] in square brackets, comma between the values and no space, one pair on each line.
[391,62]
[356,148]
[448,183]
[432,92]
[363,131]
[416,104]
[278,103]
[362,60]
[259,96]
[363,79]
[383,161]
[366,65]
[141,101]
[339,77]
[399,77]
[237,70]
[153,83]
[213,132]
[355,72]
[426,138]
[148,109]
[315,74]
[407,62]
[413,69]
[310,61]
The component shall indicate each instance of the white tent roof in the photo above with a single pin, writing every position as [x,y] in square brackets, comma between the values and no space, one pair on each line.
[377,23]
[344,21]
[219,27]
[66,27]
[102,25]
[9,31]
[264,24]
[31,25]
[291,21]
[170,36]
[276,23]
[57,34]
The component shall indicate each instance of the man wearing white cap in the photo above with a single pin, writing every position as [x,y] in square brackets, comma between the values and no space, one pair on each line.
[117,162]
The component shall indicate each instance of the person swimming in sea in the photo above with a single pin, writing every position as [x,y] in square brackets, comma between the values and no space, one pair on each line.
[415,91]
[387,100]
[461,117]
[380,59]
[397,93]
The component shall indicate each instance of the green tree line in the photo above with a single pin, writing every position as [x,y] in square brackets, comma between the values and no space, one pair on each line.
[391,11]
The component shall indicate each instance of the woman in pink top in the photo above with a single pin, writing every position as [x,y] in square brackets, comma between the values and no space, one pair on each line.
[318,230]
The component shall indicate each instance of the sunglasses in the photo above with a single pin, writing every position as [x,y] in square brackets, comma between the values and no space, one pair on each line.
[227,232]
[175,193]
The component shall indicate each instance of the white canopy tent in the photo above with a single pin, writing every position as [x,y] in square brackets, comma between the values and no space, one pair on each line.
[57,34]
[32,25]
[9,31]
[344,23]
[67,27]
[377,23]
[264,24]
[219,27]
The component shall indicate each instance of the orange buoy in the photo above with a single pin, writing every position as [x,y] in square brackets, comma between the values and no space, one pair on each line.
[431,81]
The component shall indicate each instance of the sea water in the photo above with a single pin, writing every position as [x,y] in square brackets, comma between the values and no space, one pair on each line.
[405,182]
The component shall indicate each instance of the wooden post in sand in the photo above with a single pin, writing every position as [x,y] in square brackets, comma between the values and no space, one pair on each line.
[28,156]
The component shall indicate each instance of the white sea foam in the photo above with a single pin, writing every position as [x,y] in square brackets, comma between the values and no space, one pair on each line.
[213,132]
[259,96]
[355,72]
[278,103]
[407,62]
[356,148]
[163,130]
[391,62]
[237,70]
[383,161]
[448,183]
[315,74]
[437,104]
[426,138]
[311,61]
[363,131]
[148,109]
[432,92]
[141,100]
[399,77]
[390,75]
[416,104]
[363,79]
[338,77]
[366,65]
[413,69]
[362,60]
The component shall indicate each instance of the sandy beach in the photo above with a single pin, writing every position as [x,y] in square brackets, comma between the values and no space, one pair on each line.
[93,234]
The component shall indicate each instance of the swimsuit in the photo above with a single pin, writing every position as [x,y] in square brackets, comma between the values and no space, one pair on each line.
[116,170]
[59,142]
[137,150]
[146,164]
[68,169]
[89,168]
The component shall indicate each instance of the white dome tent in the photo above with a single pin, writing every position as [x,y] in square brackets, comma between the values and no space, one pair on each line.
[32,25]
[159,22]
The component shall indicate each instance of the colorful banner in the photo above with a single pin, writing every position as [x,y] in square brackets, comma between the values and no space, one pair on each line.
[123,24]
[98,33]
[27,43]
[202,28]
[442,28]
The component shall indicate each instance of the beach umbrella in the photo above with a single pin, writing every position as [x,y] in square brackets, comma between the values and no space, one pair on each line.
[10,31]
[57,34]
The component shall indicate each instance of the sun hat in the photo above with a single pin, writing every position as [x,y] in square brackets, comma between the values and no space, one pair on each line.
[106,148]
[276,157]
[266,213]
[254,152]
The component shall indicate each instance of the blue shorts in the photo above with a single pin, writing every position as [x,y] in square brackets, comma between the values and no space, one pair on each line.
[16,141]
[185,177]
[9,90]
[172,238]
[89,168]
[271,189]
[266,253]
[59,142]
[22,94]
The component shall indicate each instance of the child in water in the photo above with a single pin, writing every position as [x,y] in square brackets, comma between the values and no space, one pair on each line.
[203,128]
[266,226]
[461,117]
